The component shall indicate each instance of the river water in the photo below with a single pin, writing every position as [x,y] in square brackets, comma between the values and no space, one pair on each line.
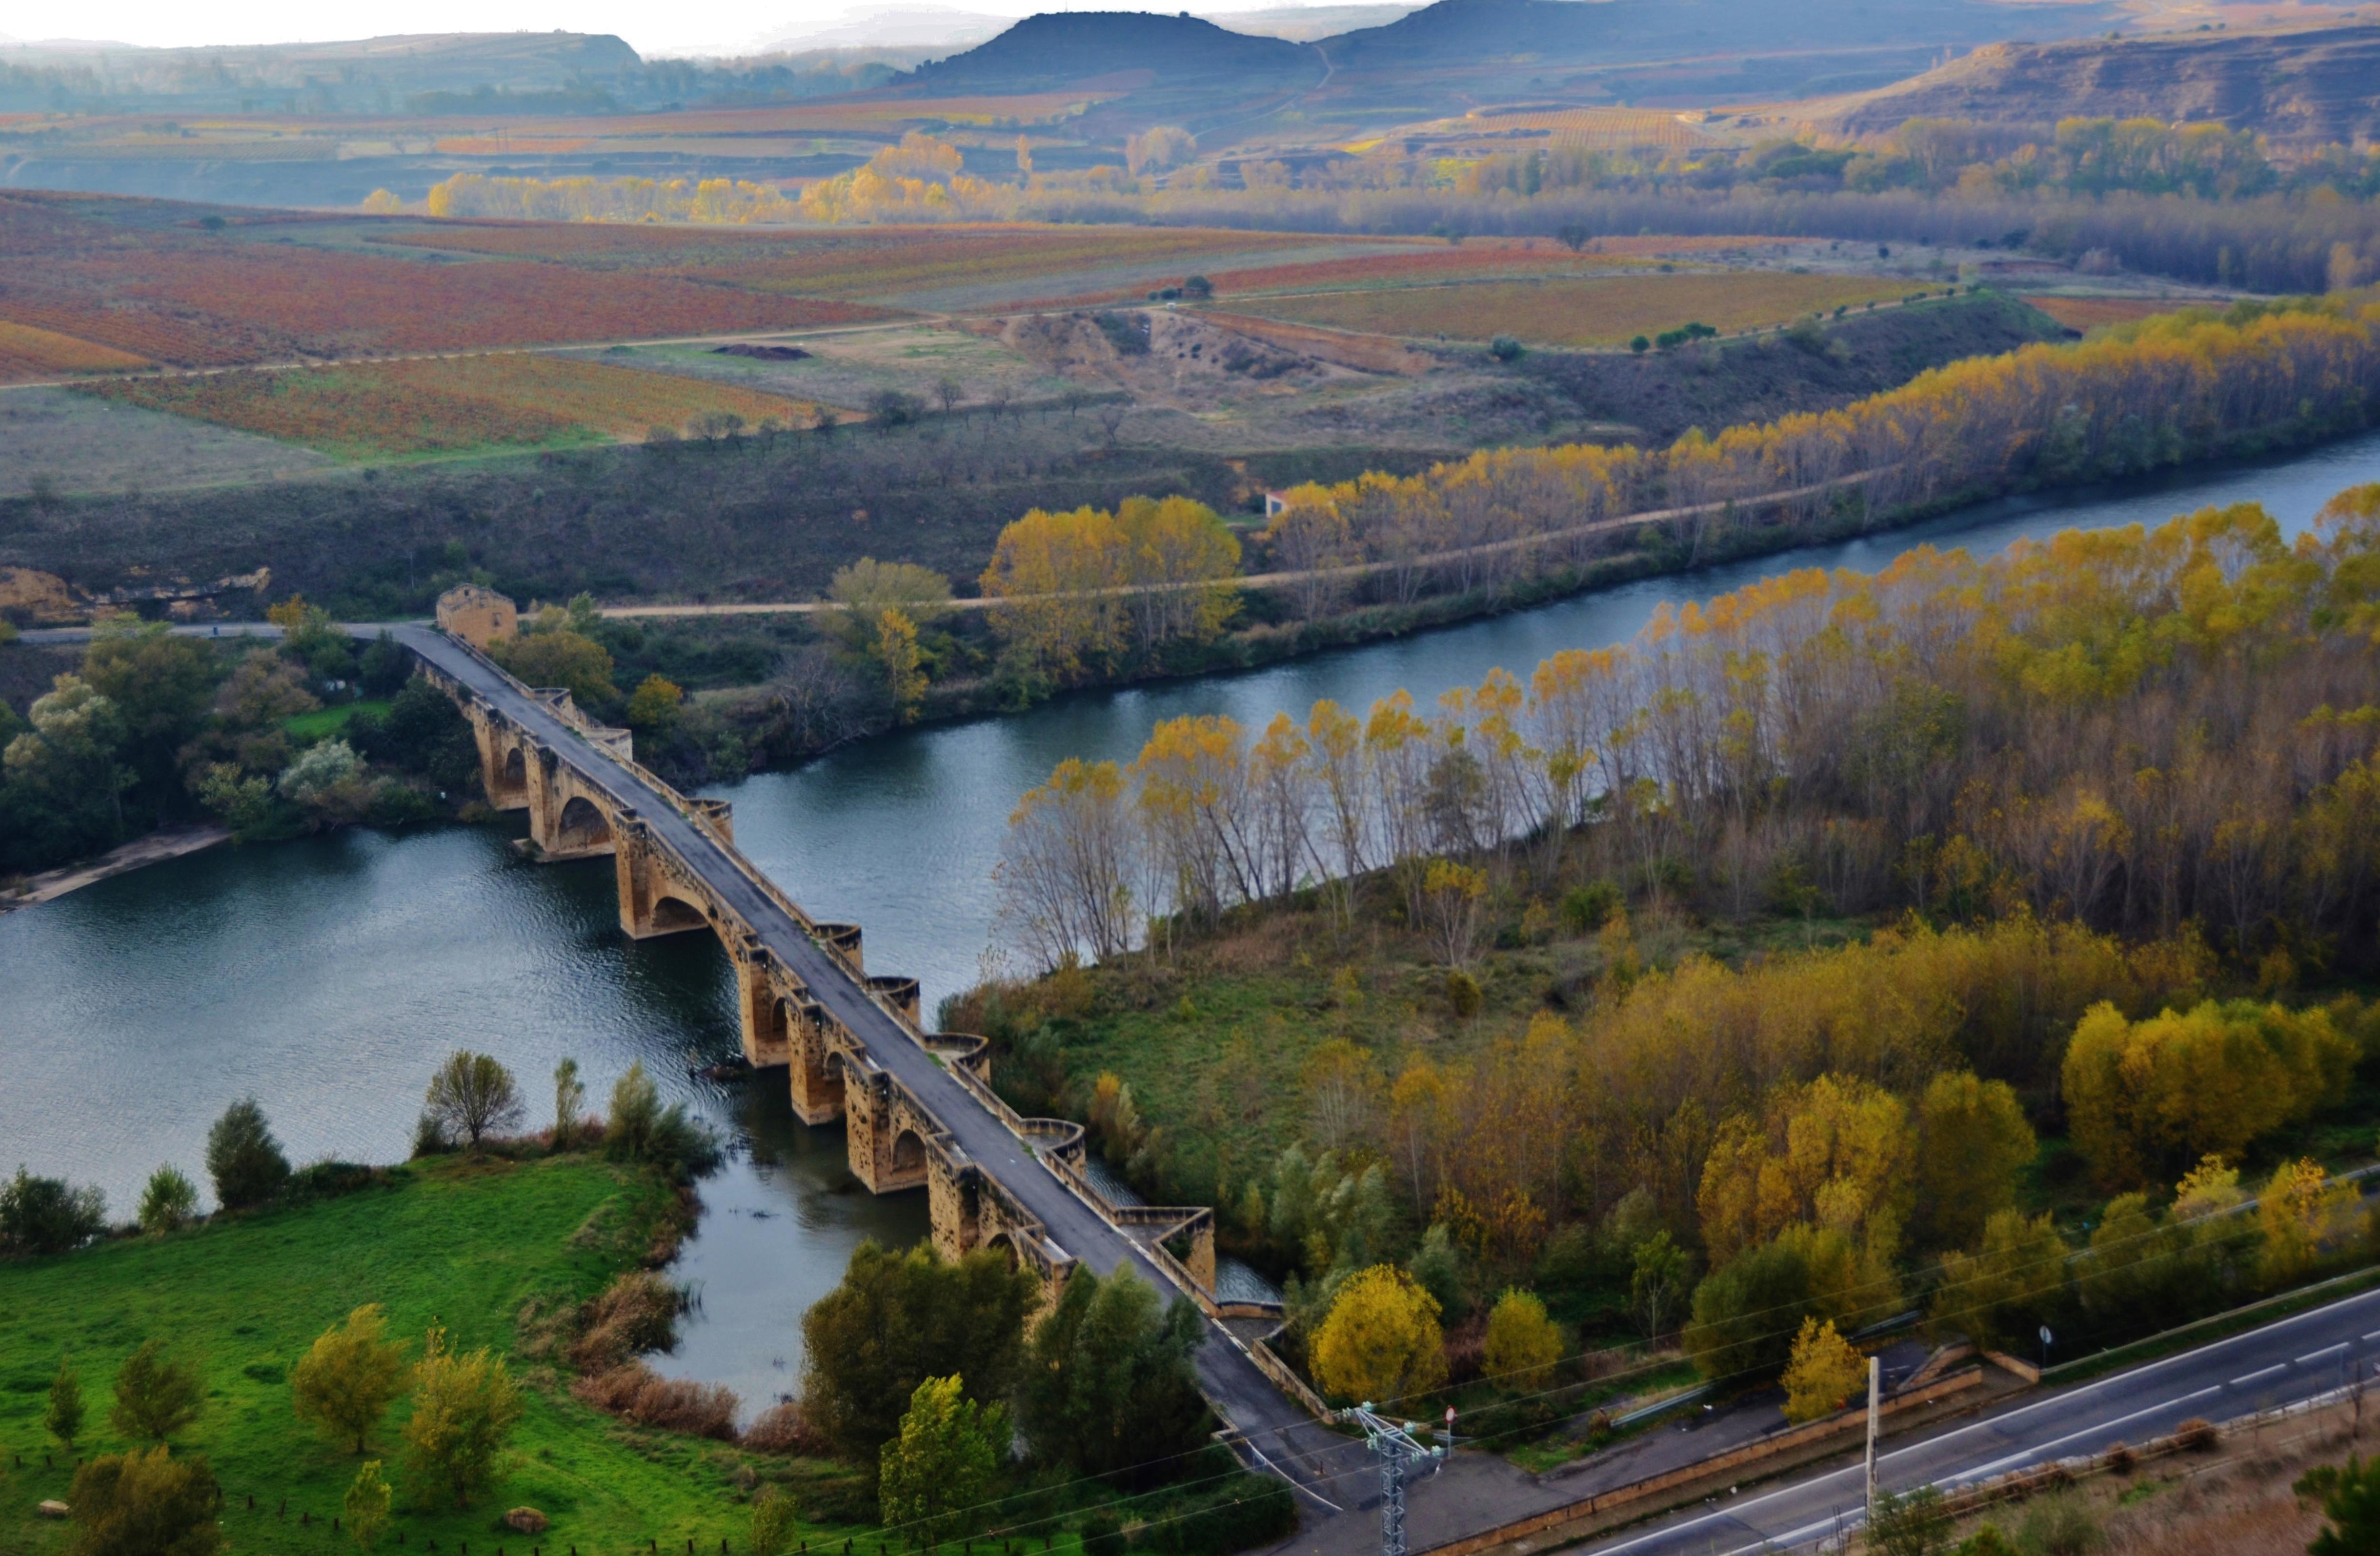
[328,976]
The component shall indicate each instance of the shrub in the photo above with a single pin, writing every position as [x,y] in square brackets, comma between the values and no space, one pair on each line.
[637,1393]
[244,1159]
[1463,993]
[782,1428]
[42,1215]
[146,1505]
[1504,348]
[1522,1343]
[1587,908]
[636,1312]
[168,1201]
[641,1129]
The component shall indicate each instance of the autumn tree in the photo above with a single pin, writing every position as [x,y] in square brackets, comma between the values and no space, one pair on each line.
[1822,1373]
[367,1504]
[1064,880]
[1973,1140]
[464,1409]
[168,1201]
[2150,1094]
[1381,1342]
[473,1096]
[559,652]
[1452,893]
[896,651]
[1999,1293]
[655,706]
[346,1380]
[146,1504]
[2298,1210]
[1746,1311]
[569,1104]
[1521,1344]
[1837,1152]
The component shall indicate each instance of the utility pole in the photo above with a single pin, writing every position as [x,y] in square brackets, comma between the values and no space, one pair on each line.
[1875,1414]
[1398,1450]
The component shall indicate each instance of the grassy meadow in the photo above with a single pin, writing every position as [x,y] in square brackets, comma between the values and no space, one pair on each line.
[445,1241]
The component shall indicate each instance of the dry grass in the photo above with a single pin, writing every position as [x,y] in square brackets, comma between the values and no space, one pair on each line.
[782,1428]
[637,1393]
[1587,311]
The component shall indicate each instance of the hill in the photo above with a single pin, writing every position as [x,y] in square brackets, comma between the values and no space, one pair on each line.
[2309,88]
[1057,49]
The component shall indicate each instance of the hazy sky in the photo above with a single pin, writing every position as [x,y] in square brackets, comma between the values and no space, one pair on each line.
[721,26]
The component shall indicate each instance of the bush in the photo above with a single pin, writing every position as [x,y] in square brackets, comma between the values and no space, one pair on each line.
[40,1215]
[1258,1511]
[244,1159]
[1587,908]
[1463,993]
[782,1428]
[637,1393]
[889,408]
[636,1312]
[1504,348]
[168,1201]
[641,1129]
[146,1505]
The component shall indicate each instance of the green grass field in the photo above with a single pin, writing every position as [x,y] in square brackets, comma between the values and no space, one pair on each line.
[450,1242]
[324,722]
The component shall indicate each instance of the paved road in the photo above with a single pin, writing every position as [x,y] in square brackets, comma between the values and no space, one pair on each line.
[2281,1363]
[1275,1427]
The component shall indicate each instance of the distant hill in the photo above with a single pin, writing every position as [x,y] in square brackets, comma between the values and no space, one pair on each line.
[1057,48]
[367,75]
[2307,88]
[1303,24]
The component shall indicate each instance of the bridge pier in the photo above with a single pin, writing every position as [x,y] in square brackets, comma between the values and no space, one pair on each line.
[882,1139]
[650,905]
[760,1014]
[813,1069]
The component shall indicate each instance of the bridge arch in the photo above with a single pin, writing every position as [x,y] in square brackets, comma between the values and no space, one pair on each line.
[515,770]
[674,913]
[908,1153]
[582,825]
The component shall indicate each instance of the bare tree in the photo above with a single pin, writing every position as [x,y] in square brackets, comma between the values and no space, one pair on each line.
[471,1095]
[1112,418]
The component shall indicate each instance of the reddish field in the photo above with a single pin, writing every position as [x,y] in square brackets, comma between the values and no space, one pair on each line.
[27,352]
[2089,313]
[192,297]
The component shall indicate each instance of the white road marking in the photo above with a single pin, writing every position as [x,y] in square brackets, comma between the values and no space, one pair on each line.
[2252,1376]
[2326,1350]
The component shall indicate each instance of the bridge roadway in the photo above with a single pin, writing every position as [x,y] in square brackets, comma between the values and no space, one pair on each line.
[1280,1432]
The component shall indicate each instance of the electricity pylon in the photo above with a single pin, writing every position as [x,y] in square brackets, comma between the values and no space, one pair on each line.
[1399,1449]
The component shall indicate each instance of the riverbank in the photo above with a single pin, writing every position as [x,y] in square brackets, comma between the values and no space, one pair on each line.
[477,1247]
[170,842]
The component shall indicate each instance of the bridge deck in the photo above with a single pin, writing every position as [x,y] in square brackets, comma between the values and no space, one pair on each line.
[1319,1462]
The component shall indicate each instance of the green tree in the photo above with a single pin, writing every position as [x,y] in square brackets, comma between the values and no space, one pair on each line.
[933,1478]
[2349,1494]
[1973,1140]
[168,1201]
[2001,1292]
[653,706]
[243,1157]
[1523,1343]
[366,1503]
[346,1380]
[61,1417]
[1658,1278]
[559,657]
[40,1215]
[1109,1381]
[1381,1339]
[146,1505]
[156,1395]
[569,1101]
[161,686]
[473,1096]
[464,1409]
[641,1129]
[68,757]
[1746,1311]
[1913,1523]
[899,1319]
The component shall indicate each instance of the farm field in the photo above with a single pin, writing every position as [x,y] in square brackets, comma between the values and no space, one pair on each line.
[851,368]
[29,353]
[1599,311]
[70,441]
[879,264]
[459,405]
[2089,313]
[94,271]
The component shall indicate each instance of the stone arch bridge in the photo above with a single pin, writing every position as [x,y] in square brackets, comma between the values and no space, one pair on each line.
[918,1106]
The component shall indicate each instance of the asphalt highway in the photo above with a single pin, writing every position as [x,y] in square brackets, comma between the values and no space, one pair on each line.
[2291,1359]
[1273,1426]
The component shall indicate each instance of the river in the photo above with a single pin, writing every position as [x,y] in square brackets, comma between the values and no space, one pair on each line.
[328,976]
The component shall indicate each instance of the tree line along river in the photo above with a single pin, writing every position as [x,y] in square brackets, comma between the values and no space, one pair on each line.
[327,976]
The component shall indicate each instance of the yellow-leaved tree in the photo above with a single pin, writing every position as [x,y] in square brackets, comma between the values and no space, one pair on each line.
[2298,1208]
[1824,1373]
[348,1378]
[1381,1342]
[1837,1152]
[2145,1096]
[1522,1342]
[1973,1140]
